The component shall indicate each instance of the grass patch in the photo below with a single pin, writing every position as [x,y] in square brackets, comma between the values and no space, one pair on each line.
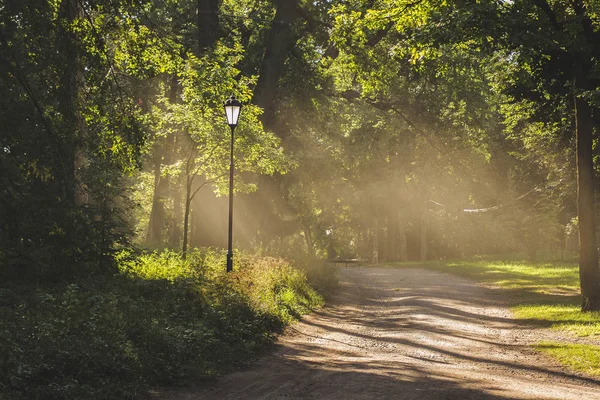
[581,358]
[160,321]
[530,278]
[566,317]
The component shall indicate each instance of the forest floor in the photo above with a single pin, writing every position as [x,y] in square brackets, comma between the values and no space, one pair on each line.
[404,334]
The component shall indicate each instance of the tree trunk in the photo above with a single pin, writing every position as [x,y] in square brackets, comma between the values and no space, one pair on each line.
[589,274]
[423,248]
[375,244]
[392,235]
[309,241]
[186,219]
[177,216]
[208,24]
[280,40]
[154,236]
[401,237]
[163,155]
[68,95]
[382,235]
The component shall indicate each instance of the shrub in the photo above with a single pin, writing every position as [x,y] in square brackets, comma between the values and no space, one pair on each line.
[161,320]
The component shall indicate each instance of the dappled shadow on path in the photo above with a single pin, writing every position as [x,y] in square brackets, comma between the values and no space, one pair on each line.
[404,334]
[296,377]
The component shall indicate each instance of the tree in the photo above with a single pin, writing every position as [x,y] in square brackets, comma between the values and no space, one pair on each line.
[547,51]
[63,124]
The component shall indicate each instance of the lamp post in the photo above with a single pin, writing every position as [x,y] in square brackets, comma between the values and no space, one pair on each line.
[232,111]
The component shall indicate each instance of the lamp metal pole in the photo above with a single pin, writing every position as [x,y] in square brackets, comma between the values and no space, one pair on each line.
[232,112]
[230,236]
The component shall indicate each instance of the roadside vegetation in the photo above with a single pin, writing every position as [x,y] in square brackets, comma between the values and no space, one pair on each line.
[160,321]
[545,293]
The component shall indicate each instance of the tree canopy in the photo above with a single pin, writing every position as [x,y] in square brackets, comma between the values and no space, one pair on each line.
[387,130]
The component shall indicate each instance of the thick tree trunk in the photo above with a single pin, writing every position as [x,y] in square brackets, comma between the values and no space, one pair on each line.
[68,96]
[154,236]
[401,239]
[392,224]
[208,24]
[309,241]
[375,244]
[589,273]
[177,216]
[280,41]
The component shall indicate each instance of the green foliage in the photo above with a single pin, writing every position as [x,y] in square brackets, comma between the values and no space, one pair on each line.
[70,132]
[276,288]
[197,119]
[161,321]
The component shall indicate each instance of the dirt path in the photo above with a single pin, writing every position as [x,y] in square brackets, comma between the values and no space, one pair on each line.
[403,334]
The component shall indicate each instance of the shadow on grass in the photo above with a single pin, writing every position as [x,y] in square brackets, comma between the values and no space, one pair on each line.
[518,284]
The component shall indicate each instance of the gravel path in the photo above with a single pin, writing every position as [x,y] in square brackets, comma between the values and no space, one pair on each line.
[403,334]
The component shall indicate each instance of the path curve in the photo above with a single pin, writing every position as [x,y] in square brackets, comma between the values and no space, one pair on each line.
[403,334]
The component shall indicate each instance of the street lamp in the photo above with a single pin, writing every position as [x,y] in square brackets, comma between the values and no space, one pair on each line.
[232,111]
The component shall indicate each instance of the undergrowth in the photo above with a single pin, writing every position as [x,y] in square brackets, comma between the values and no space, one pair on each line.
[160,321]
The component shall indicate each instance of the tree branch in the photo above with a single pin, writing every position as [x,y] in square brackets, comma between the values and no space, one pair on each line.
[206,183]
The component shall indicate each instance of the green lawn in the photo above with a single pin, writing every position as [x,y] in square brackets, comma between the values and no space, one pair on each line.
[543,293]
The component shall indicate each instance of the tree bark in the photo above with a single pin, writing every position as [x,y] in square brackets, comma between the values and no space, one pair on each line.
[280,41]
[382,235]
[589,273]
[309,241]
[154,236]
[185,227]
[189,182]
[68,95]
[208,24]
[163,155]
[423,247]
[177,216]
[401,237]
[393,250]
[375,244]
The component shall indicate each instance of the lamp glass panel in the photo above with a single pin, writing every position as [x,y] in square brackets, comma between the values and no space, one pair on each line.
[229,114]
[236,114]
[233,113]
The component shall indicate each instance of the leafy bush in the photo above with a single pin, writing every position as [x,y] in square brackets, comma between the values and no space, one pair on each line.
[161,320]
